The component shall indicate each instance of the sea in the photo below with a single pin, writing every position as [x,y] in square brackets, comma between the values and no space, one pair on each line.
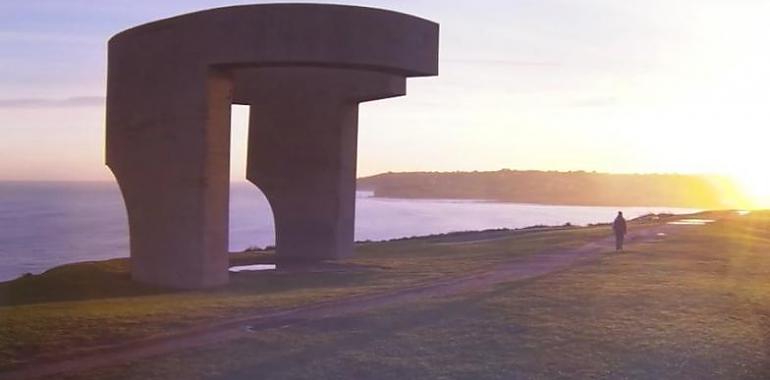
[46,224]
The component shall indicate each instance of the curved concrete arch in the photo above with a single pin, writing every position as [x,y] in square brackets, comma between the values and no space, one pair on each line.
[304,68]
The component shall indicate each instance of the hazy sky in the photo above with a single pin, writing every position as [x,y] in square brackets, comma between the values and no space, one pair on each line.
[605,85]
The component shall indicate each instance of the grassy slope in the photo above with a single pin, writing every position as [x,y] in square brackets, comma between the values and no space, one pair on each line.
[695,305]
[88,304]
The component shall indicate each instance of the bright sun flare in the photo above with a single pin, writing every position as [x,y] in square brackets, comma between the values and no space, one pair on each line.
[756,186]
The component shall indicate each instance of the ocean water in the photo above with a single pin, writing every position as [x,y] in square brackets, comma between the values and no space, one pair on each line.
[45,224]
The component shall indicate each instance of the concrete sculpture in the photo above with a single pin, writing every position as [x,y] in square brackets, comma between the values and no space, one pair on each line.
[304,69]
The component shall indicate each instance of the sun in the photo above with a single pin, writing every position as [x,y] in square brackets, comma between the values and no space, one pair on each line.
[756,187]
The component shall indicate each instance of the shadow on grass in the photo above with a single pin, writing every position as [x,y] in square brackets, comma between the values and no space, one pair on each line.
[72,282]
[112,279]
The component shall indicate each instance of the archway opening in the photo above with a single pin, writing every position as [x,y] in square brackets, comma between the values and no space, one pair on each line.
[251,220]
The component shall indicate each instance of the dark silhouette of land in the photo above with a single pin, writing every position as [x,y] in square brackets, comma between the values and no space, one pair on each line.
[561,188]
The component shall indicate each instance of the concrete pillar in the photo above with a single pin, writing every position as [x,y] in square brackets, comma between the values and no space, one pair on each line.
[170,154]
[304,68]
[302,151]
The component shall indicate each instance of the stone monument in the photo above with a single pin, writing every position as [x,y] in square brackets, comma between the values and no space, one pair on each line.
[303,69]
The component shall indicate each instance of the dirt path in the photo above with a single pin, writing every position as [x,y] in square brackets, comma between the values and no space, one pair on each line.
[529,267]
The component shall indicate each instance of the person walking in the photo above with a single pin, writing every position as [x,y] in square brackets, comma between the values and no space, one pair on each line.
[619,227]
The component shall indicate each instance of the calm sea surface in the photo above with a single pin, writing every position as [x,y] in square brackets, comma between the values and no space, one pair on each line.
[45,224]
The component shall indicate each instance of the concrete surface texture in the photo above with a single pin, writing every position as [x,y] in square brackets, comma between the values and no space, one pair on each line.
[304,69]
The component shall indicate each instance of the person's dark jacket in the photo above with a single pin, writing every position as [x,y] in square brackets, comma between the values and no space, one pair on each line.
[619,225]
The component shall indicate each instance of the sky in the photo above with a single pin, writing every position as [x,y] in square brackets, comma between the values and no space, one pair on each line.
[654,86]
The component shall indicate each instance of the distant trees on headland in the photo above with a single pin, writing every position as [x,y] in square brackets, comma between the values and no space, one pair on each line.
[565,188]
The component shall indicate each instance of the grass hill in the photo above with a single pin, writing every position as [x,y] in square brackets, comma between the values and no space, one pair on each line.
[681,302]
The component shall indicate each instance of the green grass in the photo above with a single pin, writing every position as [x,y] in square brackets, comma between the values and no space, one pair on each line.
[694,304]
[89,304]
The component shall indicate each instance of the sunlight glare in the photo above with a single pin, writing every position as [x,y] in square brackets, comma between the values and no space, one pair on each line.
[756,186]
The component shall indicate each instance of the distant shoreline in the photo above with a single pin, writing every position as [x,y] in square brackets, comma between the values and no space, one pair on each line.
[450,236]
[482,200]
[577,188]
[446,237]
[51,223]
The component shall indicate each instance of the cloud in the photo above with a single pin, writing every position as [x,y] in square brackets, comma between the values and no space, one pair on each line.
[77,101]
[38,37]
